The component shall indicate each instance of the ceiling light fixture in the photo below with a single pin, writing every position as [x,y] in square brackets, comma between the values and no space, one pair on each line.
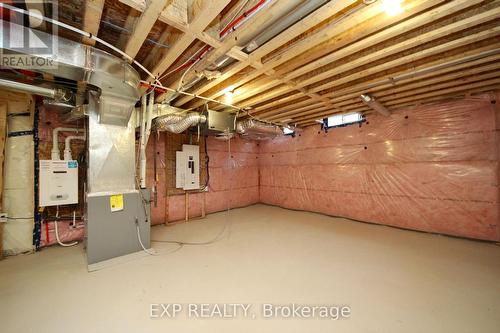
[392,7]
[229,96]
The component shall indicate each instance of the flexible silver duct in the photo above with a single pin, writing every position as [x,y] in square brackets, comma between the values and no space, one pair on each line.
[178,123]
[257,130]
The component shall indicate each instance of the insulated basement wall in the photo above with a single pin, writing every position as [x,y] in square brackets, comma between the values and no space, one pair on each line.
[234,178]
[18,173]
[431,168]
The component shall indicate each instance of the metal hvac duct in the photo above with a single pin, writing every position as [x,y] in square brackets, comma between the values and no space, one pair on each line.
[113,77]
[112,86]
[257,130]
[178,123]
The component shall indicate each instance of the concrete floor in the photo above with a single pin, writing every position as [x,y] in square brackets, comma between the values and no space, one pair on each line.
[393,280]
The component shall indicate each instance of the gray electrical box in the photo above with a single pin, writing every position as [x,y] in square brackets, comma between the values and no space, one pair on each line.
[220,121]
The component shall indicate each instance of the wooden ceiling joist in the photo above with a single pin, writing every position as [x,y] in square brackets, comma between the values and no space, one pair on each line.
[341,28]
[207,12]
[394,97]
[433,35]
[439,49]
[298,28]
[92,19]
[462,70]
[424,97]
[250,28]
[143,26]
[315,67]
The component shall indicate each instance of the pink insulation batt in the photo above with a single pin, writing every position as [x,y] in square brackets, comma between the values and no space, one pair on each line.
[234,181]
[432,168]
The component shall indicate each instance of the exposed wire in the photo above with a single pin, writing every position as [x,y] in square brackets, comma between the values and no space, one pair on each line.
[140,241]
[180,86]
[184,64]
[243,4]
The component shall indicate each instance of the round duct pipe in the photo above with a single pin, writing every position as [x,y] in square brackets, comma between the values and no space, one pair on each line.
[178,123]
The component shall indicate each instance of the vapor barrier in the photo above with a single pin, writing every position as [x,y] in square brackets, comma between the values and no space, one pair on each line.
[430,168]
[234,181]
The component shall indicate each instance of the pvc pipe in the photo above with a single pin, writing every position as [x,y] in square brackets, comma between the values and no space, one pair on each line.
[149,116]
[55,153]
[146,126]
[57,232]
[67,146]
[142,166]
[59,240]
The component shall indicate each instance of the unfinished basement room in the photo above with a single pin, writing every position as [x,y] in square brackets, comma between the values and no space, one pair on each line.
[250,166]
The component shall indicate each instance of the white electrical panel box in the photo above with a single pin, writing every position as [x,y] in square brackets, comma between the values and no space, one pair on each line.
[58,183]
[187,168]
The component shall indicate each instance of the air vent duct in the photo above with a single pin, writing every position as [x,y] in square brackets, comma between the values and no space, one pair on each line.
[257,130]
[178,123]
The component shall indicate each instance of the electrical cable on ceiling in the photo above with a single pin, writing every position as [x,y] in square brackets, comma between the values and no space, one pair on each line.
[243,4]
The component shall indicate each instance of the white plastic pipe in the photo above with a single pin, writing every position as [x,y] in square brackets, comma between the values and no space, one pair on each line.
[67,146]
[55,153]
[57,232]
[149,116]
[142,153]
[59,240]
[146,120]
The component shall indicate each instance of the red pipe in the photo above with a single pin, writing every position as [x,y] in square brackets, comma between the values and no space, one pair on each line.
[239,19]
[207,48]
[5,14]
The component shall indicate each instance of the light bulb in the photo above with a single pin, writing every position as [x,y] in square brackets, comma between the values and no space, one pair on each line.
[229,96]
[392,7]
